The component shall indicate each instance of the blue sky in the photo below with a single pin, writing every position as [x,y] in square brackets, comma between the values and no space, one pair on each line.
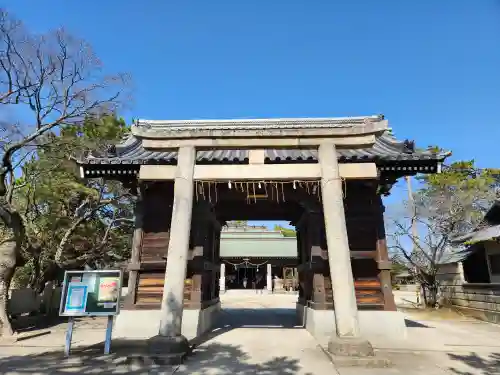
[432,67]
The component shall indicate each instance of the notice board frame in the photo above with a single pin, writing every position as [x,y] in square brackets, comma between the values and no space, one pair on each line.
[64,293]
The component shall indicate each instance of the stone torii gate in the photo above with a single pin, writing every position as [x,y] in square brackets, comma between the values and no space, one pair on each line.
[256,137]
[325,136]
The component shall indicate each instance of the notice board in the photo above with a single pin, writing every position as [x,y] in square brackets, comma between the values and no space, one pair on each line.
[91,293]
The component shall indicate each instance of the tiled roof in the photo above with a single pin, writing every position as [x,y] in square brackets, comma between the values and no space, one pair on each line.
[487,229]
[386,148]
[168,126]
[455,255]
[285,247]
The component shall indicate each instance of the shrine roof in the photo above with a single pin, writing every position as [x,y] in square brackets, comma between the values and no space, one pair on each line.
[234,247]
[386,148]
[166,127]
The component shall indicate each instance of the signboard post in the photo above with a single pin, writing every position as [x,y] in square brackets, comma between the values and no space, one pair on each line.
[90,293]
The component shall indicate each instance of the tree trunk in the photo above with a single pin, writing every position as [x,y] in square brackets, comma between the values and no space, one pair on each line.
[433,295]
[49,273]
[58,257]
[424,294]
[8,251]
[35,273]
[430,294]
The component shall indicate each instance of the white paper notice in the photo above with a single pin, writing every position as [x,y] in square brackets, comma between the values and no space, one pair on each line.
[89,279]
[77,298]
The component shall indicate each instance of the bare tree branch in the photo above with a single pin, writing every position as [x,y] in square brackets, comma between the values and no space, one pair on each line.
[57,77]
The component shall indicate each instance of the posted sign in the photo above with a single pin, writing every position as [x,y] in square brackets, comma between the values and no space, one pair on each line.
[91,293]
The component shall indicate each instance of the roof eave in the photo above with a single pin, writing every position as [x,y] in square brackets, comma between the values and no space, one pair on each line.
[313,128]
[254,121]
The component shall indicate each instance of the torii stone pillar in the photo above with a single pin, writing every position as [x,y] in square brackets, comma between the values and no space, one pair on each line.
[348,339]
[170,339]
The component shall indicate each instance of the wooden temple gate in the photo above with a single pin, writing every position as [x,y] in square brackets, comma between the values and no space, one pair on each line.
[147,267]
[323,175]
[364,216]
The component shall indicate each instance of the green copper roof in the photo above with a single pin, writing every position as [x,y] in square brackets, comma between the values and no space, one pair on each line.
[252,235]
[256,244]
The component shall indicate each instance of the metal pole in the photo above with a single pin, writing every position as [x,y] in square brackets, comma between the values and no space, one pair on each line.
[69,336]
[109,331]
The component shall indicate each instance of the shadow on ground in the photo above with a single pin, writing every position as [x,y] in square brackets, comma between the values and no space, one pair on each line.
[414,324]
[29,323]
[479,364]
[130,356]
[268,318]
[126,359]
[259,318]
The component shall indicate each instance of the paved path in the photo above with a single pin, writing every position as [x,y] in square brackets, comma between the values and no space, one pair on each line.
[257,335]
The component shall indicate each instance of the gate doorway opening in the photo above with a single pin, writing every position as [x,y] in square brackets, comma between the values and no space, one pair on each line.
[258,257]
[243,277]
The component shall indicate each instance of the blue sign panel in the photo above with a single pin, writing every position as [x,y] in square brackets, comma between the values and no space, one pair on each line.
[76,299]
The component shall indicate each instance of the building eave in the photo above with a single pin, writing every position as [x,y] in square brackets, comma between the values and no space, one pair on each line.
[161,128]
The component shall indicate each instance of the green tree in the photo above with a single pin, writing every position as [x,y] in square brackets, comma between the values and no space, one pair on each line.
[286,232]
[238,223]
[73,222]
[448,204]
[57,80]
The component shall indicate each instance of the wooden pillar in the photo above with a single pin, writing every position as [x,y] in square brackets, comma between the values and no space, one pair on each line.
[298,233]
[319,263]
[207,268]
[339,258]
[217,260]
[204,255]
[135,255]
[306,253]
[384,264]
[197,239]
[214,270]
[178,247]
[304,267]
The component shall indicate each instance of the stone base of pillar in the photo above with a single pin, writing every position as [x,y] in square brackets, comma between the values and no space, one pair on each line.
[388,326]
[169,350]
[141,325]
[352,347]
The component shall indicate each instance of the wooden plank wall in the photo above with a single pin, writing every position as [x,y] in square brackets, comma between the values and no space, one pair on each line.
[367,285]
[361,203]
[150,289]
[362,219]
[154,246]
[158,201]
